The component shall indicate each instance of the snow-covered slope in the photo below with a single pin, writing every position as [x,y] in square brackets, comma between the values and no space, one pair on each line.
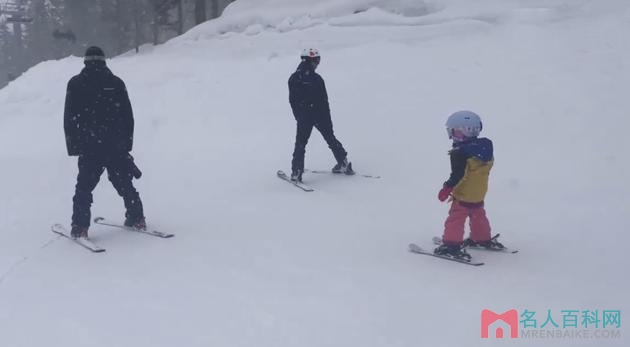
[257,262]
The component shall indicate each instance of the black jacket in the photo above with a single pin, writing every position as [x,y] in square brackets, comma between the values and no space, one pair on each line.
[98,118]
[307,94]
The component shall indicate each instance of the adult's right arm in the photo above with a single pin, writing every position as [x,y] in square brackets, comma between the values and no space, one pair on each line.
[71,122]
[294,98]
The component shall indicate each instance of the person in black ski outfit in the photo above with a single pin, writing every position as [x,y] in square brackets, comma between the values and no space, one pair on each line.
[309,102]
[98,125]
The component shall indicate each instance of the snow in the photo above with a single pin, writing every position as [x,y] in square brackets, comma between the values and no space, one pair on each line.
[257,262]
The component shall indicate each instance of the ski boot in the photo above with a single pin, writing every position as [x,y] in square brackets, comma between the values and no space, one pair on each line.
[491,244]
[452,251]
[343,167]
[79,232]
[136,223]
[296,175]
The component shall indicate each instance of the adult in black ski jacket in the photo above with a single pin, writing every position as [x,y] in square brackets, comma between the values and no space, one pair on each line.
[307,93]
[309,102]
[98,118]
[98,124]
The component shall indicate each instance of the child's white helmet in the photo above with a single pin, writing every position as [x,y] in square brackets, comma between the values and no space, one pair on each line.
[463,125]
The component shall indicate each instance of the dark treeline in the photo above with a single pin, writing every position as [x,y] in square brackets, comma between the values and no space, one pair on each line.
[32,31]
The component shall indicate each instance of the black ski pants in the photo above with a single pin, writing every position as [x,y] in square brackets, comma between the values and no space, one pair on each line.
[120,174]
[304,129]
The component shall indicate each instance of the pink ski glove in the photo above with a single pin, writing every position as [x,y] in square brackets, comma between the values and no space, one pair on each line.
[444,193]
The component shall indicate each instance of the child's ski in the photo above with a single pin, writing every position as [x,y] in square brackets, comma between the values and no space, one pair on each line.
[438,241]
[300,185]
[82,241]
[102,221]
[419,250]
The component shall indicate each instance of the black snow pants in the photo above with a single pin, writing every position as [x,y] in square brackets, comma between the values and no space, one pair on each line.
[304,128]
[120,174]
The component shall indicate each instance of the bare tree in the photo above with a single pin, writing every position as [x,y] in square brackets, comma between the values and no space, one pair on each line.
[136,25]
[200,12]
[180,17]
[214,8]
[162,11]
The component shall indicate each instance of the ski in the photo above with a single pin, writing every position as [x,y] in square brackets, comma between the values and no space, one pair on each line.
[332,173]
[419,250]
[102,221]
[300,185]
[82,241]
[438,241]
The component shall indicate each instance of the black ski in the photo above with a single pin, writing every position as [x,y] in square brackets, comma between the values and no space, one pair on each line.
[419,250]
[300,185]
[102,221]
[438,241]
[332,173]
[81,241]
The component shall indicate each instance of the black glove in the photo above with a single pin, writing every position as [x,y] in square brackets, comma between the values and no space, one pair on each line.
[132,166]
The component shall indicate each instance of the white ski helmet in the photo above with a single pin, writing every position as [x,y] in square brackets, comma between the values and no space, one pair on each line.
[463,125]
[310,53]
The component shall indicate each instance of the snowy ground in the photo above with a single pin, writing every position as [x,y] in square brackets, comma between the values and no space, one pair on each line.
[257,262]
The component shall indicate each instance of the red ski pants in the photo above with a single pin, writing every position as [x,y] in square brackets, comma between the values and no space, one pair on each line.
[456,220]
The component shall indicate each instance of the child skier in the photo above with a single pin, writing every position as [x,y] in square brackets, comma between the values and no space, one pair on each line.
[471,161]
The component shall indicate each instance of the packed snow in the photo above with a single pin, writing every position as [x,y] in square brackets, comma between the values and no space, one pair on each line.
[257,262]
